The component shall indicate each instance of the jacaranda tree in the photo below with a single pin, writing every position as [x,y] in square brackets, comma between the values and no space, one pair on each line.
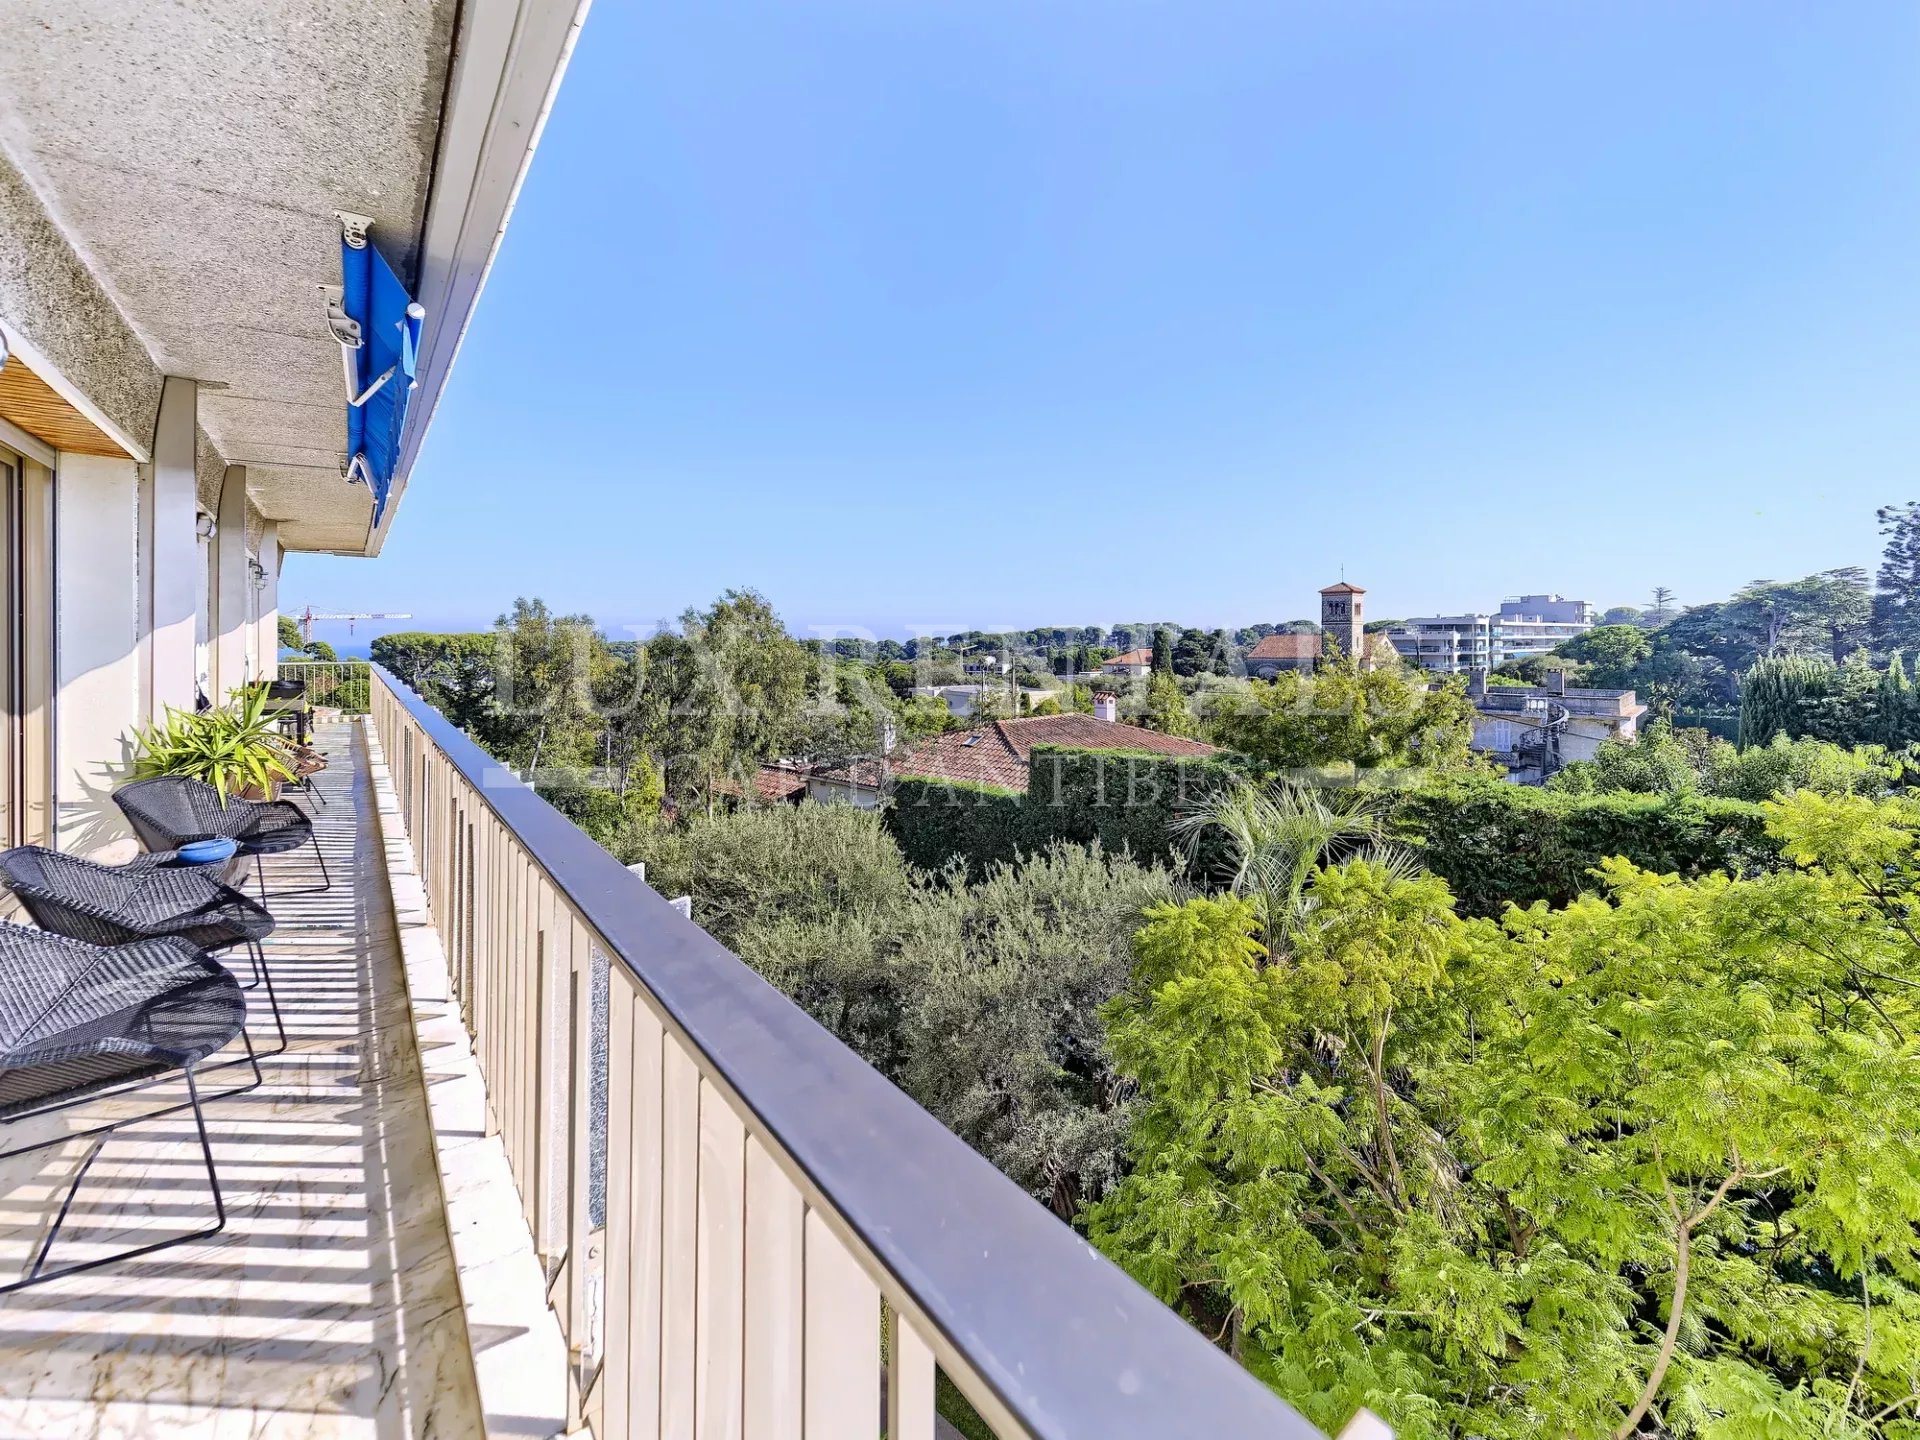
[1648,1165]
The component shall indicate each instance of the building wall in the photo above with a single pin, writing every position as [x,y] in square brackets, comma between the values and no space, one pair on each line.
[827,792]
[97,604]
[1551,608]
[1343,621]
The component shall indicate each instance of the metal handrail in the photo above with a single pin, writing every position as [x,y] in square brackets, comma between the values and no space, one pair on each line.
[1065,1341]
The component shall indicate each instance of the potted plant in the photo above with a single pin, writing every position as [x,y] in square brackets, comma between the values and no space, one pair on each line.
[236,748]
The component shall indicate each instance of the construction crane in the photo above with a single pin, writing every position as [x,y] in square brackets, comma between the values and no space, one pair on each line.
[309,615]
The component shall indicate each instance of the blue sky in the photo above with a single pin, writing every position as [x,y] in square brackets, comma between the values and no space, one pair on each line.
[970,313]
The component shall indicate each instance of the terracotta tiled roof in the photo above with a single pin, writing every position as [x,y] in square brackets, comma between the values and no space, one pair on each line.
[868,773]
[1286,647]
[999,752]
[1130,657]
[780,781]
[1343,588]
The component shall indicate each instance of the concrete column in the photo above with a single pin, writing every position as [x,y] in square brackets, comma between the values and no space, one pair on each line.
[102,651]
[232,586]
[267,604]
[170,552]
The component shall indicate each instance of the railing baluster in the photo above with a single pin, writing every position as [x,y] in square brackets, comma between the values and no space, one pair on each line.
[775,1231]
[679,1227]
[842,1354]
[584,1279]
[717,1337]
[627,1186]
[909,1381]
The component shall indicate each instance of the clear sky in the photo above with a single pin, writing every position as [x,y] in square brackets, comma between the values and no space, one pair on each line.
[923,316]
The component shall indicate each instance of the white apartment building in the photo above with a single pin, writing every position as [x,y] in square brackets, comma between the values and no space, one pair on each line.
[1524,626]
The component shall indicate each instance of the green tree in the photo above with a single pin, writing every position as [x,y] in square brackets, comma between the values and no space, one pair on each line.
[1343,714]
[453,673]
[1665,761]
[1659,761]
[814,897]
[1648,1165]
[1612,655]
[1167,709]
[543,711]
[1897,707]
[1800,695]
[1199,652]
[1896,605]
[730,690]
[1002,1040]
[1163,651]
[289,631]
[1273,839]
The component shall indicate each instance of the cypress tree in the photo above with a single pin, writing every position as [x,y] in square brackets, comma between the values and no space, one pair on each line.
[1897,705]
[1781,695]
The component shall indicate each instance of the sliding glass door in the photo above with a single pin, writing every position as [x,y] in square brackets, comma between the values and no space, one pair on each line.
[26,651]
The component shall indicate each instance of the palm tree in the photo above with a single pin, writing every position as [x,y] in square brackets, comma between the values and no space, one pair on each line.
[1277,836]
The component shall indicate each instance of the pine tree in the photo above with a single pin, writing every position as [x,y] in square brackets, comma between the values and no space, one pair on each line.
[1896,609]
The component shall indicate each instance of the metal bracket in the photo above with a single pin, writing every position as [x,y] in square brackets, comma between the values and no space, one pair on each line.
[367,394]
[353,228]
[345,328]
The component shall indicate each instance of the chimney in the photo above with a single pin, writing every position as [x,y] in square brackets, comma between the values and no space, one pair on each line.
[1106,706]
[1556,681]
[889,736]
[1477,683]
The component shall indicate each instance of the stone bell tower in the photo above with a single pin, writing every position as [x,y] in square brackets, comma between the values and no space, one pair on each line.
[1341,621]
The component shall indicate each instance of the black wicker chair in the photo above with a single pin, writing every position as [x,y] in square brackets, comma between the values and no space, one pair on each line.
[116,905]
[77,1020]
[168,812]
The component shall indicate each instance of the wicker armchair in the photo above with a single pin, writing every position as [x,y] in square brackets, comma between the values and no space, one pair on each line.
[78,1019]
[116,905]
[168,812]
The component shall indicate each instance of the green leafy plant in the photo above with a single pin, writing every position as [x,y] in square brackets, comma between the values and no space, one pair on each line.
[234,748]
[1643,1167]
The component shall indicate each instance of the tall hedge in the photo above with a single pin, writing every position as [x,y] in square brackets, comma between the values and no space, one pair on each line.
[1127,800]
[1493,842]
[938,821]
[1124,799]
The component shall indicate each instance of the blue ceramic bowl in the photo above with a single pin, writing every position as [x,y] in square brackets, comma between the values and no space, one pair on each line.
[208,852]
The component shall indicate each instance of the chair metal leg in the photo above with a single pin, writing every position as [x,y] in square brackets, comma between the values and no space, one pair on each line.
[38,1274]
[265,973]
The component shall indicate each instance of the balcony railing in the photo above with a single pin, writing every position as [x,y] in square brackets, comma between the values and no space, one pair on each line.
[341,684]
[781,1223]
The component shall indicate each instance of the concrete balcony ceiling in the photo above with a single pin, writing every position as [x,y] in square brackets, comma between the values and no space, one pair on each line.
[194,153]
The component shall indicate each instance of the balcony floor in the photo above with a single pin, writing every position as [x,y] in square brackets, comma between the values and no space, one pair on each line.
[328,1307]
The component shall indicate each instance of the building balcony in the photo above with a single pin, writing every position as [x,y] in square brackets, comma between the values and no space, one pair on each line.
[544,1159]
